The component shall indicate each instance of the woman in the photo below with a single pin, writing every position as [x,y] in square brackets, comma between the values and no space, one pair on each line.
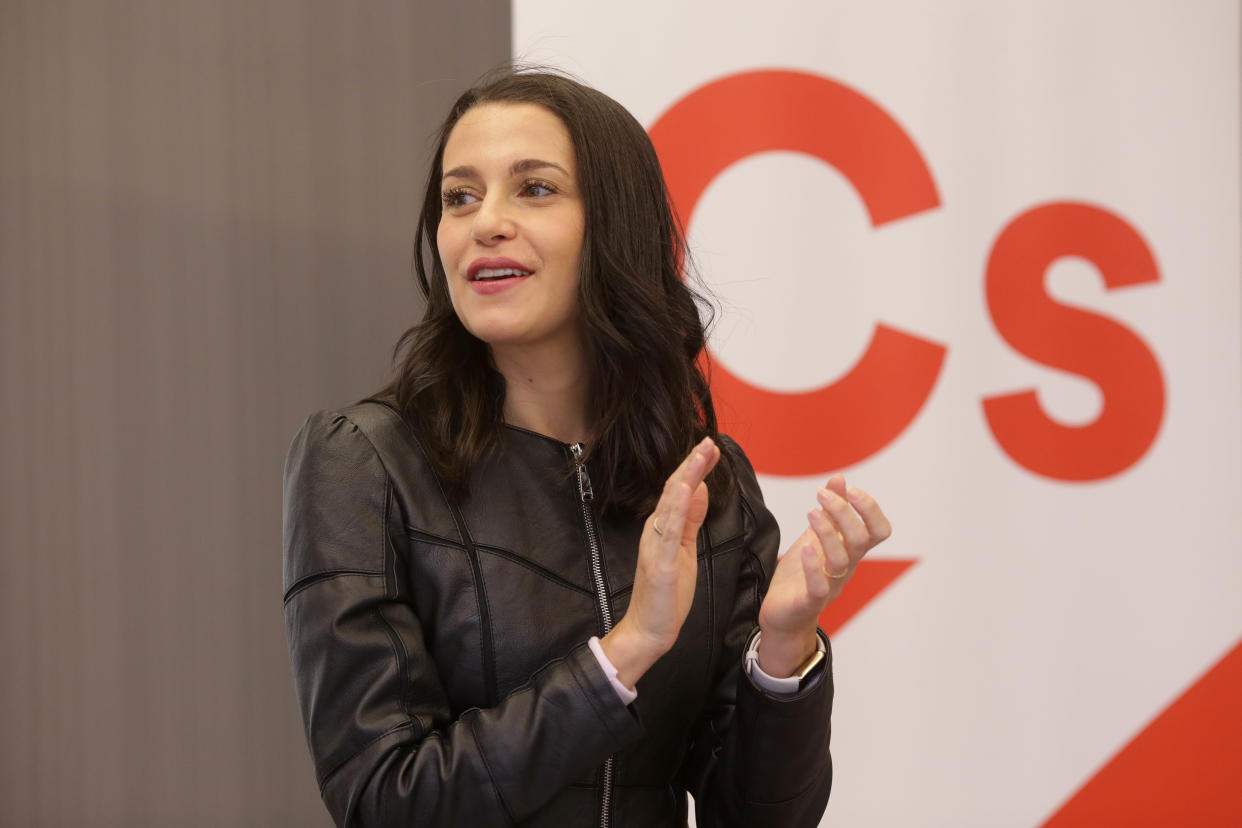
[510,597]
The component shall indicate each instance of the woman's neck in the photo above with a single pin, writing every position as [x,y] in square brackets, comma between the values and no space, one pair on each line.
[546,390]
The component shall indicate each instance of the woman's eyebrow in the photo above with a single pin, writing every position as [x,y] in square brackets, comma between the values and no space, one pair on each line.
[461,172]
[516,168]
[531,164]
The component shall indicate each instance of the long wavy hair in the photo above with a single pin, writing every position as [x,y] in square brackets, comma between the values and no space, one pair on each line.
[649,399]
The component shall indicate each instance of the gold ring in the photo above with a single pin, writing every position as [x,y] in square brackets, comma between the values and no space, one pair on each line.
[655,524]
[844,574]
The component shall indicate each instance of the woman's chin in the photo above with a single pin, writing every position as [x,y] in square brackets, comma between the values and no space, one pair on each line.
[500,336]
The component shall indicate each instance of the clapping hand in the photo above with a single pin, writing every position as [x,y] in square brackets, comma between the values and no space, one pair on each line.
[842,529]
[667,569]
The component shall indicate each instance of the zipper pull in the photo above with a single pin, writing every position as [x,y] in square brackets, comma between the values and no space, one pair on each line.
[584,480]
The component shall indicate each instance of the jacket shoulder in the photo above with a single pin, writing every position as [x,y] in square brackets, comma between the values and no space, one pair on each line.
[366,428]
[335,495]
[361,462]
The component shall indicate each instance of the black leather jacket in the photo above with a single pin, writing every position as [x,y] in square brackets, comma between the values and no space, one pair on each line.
[440,659]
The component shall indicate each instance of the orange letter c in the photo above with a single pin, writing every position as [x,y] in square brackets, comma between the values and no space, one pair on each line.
[741,115]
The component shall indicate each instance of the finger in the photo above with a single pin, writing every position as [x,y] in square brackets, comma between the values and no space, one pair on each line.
[681,486]
[692,470]
[836,483]
[838,559]
[678,529]
[848,522]
[818,584]
[698,463]
[872,515]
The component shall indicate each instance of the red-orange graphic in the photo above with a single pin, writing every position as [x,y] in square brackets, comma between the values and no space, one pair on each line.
[1084,343]
[1185,768]
[741,115]
[870,579]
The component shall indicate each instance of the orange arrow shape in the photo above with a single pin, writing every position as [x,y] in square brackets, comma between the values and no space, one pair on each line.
[1185,768]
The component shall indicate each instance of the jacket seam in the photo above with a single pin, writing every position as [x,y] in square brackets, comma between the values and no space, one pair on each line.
[727,545]
[429,537]
[756,588]
[486,654]
[748,517]
[499,552]
[413,438]
[385,541]
[533,567]
[709,575]
[327,775]
[500,797]
[588,693]
[310,580]
[404,427]
[400,653]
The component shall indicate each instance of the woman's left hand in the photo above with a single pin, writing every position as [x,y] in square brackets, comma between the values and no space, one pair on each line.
[845,526]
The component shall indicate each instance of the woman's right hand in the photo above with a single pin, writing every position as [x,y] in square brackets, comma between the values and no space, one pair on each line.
[667,568]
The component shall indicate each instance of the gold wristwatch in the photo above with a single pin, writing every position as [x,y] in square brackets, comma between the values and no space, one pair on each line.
[806,672]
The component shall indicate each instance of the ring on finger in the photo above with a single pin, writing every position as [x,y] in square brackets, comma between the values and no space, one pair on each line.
[842,576]
[655,524]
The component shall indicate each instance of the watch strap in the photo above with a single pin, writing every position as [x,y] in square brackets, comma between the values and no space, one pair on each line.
[791,684]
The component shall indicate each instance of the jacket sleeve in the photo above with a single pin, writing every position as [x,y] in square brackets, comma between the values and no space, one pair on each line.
[378,723]
[759,759]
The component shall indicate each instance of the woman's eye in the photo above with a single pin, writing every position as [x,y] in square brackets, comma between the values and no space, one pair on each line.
[537,188]
[457,197]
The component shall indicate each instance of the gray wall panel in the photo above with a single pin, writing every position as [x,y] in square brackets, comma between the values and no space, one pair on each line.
[206,218]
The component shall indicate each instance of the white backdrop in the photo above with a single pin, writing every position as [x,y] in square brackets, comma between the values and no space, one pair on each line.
[1062,594]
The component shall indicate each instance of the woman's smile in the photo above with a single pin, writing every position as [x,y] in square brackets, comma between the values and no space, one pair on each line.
[488,276]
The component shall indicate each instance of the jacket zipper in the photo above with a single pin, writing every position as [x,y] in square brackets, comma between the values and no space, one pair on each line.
[586,494]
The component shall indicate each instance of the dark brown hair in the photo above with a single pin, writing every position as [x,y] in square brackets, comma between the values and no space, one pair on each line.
[649,399]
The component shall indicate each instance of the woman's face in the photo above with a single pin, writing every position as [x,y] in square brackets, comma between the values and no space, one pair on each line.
[510,235]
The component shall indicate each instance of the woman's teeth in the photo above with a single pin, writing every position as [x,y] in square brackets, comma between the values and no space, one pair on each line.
[499,273]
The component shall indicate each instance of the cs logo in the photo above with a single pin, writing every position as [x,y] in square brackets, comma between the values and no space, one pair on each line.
[881,395]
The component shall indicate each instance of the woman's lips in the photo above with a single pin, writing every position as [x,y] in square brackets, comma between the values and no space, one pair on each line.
[492,275]
[490,286]
[493,266]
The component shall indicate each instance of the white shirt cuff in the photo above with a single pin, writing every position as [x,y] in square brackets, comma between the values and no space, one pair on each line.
[626,694]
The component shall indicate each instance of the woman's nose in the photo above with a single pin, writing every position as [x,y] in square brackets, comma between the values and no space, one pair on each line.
[492,222]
